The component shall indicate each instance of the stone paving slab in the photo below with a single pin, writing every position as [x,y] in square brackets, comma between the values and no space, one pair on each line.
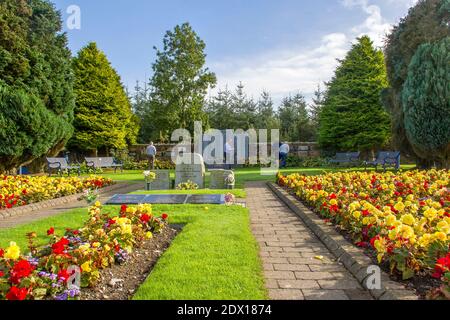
[40,213]
[297,265]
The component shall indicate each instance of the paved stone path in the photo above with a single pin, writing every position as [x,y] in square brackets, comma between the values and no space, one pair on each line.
[297,266]
[47,212]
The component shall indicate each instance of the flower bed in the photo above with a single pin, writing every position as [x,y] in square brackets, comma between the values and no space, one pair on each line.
[51,272]
[16,191]
[404,218]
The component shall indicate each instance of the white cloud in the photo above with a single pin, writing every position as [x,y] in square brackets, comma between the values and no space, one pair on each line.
[284,72]
[375,26]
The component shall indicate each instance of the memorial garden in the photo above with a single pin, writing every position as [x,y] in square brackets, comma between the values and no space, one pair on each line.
[361,212]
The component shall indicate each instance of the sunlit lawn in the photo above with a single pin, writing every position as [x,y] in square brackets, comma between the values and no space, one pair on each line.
[243,175]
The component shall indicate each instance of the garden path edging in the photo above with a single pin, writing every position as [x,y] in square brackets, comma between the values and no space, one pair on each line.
[351,257]
[7,213]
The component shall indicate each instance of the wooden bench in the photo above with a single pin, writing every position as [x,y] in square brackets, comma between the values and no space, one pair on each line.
[346,158]
[104,163]
[385,159]
[61,164]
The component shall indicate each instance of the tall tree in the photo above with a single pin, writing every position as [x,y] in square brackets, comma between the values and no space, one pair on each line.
[36,82]
[266,116]
[103,116]
[141,105]
[426,102]
[353,117]
[180,82]
[293,114]
[243,108]
[427,22]
[219,110]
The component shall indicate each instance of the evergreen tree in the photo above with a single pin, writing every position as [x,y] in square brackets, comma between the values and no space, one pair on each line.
[141,108]
[426,102]
[219,110]
[36,82]
[243,108]
[293,114]
[266,117]
[103,116]
[179,83]
[353,117]
[427,22]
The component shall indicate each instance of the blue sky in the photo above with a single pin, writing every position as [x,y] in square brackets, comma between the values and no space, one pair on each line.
[282,46]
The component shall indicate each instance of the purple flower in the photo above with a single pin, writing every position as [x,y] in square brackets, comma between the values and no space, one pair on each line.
[62,297]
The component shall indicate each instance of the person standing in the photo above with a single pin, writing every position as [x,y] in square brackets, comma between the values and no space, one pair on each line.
[151,154]
[229,153]
[284,152]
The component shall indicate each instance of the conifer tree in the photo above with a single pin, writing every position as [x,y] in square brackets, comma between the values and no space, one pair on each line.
[103,115]
[36,82]
[353,117]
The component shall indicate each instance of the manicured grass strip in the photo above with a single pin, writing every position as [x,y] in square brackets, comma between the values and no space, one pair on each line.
[238,193]
[214,257]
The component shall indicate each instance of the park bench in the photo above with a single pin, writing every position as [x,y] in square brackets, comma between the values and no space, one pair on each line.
[346,158]
[61,164]
[385,159]
[103,163]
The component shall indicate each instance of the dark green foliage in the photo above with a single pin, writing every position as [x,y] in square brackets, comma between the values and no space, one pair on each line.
[37,101]
[179,84]
[295,123]
[427,22]
[353,117]
[426,102]
[103,115]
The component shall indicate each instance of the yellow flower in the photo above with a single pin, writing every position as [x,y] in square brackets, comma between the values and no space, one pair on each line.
[333,202]
[399,206]
[440,236]
[98,204]
[407,232]
[149,235]
[96,244]
[390,220]
[444,227]
[86,267]
[357,214]
[12,252]
[107,248]
[408,219]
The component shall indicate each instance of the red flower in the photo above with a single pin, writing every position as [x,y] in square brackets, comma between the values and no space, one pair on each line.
[333,196]
[17,294]
[51,231]
[145,218]
[1,273]
[59,247]
[2,252]
[20,270]
[123,208]
[64,275]
[164,216]
[24,191]
[117,248]
[111,222]
[366,213]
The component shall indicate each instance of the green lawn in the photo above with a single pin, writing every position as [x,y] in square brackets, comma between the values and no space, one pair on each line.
[243,175]
[214,257]
[238,193]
